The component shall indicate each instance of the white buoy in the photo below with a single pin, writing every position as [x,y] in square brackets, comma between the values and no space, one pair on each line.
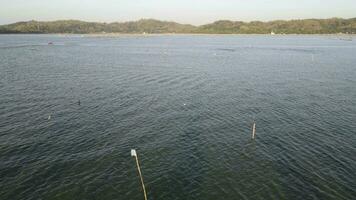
[134,154]
[253,130]
[49,117]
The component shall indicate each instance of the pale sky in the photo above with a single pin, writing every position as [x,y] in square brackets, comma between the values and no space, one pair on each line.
[195,12]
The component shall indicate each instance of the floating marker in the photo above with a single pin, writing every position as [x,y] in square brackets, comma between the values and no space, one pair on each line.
[134,154]
[253,130]
[49,117]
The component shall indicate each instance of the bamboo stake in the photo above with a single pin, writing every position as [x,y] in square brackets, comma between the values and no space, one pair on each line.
[134,154]
[253,130]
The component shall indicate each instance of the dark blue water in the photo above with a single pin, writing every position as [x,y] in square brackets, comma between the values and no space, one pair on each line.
[187,105]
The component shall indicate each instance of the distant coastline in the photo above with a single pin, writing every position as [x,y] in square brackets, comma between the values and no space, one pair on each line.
[152,27]
[177,34]
[340,36]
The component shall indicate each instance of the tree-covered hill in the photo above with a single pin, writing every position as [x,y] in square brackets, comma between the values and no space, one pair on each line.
[81,27]
[306,26]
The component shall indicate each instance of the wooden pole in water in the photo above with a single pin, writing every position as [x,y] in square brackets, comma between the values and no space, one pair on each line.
[253,130]
[134,154]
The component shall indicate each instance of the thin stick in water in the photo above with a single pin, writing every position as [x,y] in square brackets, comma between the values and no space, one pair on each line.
[253,130]
[134,154]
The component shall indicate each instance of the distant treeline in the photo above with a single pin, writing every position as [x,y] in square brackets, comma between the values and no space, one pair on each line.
[305,26]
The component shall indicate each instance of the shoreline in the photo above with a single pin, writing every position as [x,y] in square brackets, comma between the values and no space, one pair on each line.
[173,34]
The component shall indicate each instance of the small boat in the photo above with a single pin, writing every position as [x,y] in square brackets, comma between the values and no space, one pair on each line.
[50,43]
[346,38]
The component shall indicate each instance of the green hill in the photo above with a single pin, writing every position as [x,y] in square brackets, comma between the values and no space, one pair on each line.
[81,27]
[306,26]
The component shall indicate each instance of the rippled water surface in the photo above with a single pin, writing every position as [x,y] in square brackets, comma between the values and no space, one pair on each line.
[187,104]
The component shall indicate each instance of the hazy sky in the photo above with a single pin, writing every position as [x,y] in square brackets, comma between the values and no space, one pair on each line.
[183,11]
